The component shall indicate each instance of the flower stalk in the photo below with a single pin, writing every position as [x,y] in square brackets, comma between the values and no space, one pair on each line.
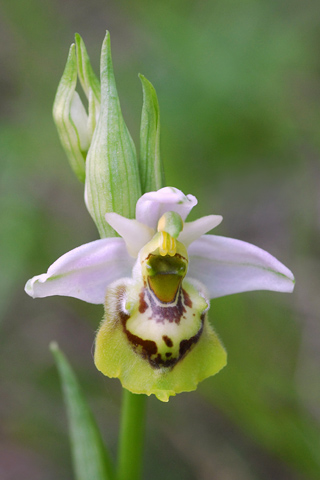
[131,439]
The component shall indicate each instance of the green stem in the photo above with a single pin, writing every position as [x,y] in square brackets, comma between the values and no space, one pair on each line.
[131,436]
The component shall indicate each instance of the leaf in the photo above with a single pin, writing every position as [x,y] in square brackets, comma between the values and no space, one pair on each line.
[90,458]
[151,167]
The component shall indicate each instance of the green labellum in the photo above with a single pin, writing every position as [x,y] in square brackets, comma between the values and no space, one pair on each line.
[155,347]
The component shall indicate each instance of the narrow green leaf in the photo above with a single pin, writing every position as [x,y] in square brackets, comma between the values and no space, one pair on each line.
[90,458]
[72,133]
[151,167]
[112,176]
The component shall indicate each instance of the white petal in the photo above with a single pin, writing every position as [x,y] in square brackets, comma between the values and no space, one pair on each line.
[134,233]
[84,272]
[152,205]
[225,266]
[193,230]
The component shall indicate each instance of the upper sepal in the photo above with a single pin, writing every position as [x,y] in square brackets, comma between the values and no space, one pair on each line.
[152,205]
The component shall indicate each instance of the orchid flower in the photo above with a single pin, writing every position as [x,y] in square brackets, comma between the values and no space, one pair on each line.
[156,283]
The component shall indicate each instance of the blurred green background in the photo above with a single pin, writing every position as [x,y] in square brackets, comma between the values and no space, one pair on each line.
[239,91]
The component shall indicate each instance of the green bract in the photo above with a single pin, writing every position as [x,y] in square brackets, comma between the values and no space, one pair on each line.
[112,175]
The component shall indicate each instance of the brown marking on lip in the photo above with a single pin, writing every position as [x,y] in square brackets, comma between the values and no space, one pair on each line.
[185,345]
[170,313]
[167,340]
[159,363]
[186,298]
[147,347]
[143,306]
